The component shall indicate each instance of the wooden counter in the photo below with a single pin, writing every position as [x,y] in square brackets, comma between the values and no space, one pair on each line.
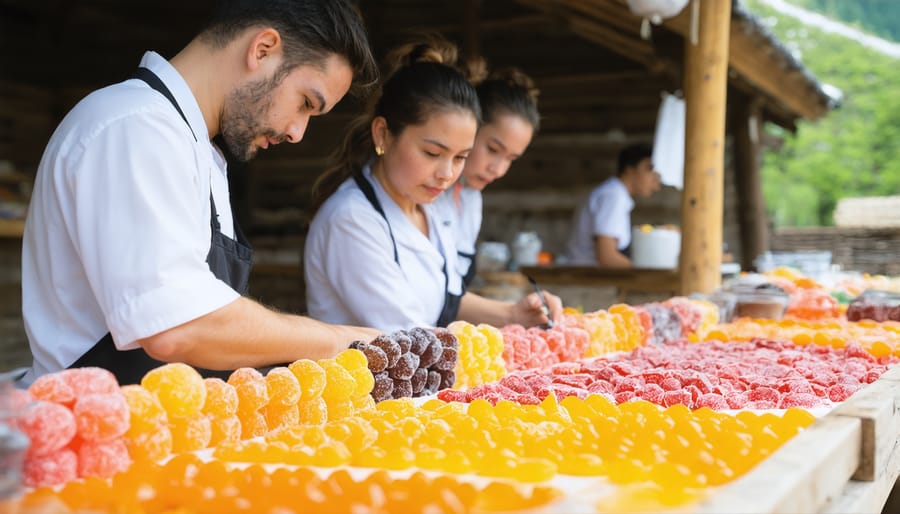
[626,280]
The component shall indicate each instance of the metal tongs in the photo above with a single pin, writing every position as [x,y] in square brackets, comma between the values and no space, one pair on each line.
[545,309]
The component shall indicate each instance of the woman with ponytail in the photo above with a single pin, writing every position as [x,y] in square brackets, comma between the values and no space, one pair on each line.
[508,100]
[377,252]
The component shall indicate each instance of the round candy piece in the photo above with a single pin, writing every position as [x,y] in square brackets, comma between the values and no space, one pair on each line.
[311,377]
[102,459]
[90,380]
[52,388]
[51,469]
[283,386]
[102,417]
[221,398]
[179,387]
[49,427]
[252,391]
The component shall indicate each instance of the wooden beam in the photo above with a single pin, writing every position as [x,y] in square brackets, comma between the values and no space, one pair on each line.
[705,85]
[471,36]
[747,122]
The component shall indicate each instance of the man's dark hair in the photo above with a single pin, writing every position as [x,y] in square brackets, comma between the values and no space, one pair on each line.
[311,30]
[632,156]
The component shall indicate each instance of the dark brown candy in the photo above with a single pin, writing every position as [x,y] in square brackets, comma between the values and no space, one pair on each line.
[431,354]
[447,339]
[403,339]
[390,348]
[448,378]
[402,389]
[433,384]
[383,388]
[405,367]
[447,361]
[378,361]
[418,380]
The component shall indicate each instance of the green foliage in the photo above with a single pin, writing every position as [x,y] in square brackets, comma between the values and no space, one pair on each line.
[855,149]
[879,17]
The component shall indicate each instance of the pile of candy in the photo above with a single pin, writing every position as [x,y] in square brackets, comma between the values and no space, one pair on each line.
[480,354]
[76,424]
[411,363]
[177,485]
[762,374]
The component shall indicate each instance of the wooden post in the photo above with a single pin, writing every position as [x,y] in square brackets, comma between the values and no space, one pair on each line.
[705,83]
[471,36]
[747,121]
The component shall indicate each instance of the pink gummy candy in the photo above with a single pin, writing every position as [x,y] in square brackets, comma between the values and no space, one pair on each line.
[51,469]
[101,417]
[103,459]
[49,427]
[53,388]
[90,380]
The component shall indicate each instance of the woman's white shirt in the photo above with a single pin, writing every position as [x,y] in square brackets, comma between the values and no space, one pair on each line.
[118,228]
[606,212]
[351,276]
[462,215]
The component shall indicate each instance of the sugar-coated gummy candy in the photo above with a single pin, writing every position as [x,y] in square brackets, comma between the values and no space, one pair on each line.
[420,338]
[402,389]
[152,446]
[432,354]
[313,412]
[146,411]
[179,387]
[405,367]
[311,377]
[433,382]
[403,339]
[18,399]
[101,417]
[190,434]
[51,469]
[281,415]
[224,429]
[447,361]
[448,378]
[283,386]
[340,409]
[363,403]
[339,384]
[253,424]
[221,398]
[103,459]
[418,380]
[253,394]
[383,388]
[49,427]
[365,381]
[447,338]
[390,348]
[52,388]
[351,359]
[376,358]
[90,380]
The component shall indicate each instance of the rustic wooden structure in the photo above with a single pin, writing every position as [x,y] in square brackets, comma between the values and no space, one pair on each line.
[600,85]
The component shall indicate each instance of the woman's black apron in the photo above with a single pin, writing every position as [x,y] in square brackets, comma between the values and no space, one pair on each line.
[229,260]
[470,274]
[451,301]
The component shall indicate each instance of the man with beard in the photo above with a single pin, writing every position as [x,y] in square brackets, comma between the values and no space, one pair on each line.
[130,256]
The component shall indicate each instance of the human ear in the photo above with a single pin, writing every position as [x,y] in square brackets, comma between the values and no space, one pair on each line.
[265,44]
[379,131]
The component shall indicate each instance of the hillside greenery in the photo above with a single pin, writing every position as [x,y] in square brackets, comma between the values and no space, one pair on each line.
[855,149]
[878,17]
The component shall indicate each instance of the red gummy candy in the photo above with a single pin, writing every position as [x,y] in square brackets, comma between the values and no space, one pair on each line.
[102,417]
[452,395]
[840,392]
[103,459]
[52,388]
[49,426]
[90,381]
[804,400]
[712,401]
[51,469]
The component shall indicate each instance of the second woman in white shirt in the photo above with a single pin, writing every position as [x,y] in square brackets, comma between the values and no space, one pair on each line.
[377,252]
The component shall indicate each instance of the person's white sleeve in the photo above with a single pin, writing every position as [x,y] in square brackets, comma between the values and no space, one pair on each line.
[359,263]
[608,213]
[139,230]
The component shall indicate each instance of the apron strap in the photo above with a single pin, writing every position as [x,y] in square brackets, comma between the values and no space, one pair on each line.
[155,83]
[366,187]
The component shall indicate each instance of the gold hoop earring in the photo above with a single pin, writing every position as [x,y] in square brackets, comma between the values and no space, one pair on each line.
[379,151]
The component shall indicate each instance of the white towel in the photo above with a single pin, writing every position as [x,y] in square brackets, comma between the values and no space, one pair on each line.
[668,141]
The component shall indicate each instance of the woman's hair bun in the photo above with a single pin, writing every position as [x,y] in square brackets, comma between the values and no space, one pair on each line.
[428,48]
[515,78]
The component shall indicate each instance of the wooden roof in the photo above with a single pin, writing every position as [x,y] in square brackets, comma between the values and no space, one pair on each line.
[587,56]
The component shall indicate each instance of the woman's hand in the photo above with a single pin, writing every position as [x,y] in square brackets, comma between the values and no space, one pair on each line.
[529,311]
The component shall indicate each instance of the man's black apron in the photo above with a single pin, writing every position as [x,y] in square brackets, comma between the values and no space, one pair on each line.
[230,261]
[451,301]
